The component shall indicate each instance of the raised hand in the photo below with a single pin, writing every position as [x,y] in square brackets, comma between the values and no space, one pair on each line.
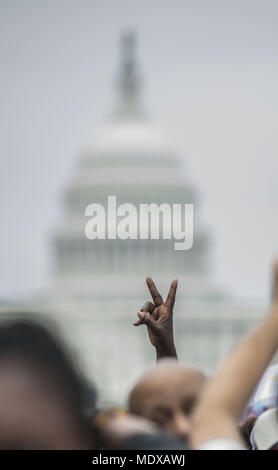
[158,316]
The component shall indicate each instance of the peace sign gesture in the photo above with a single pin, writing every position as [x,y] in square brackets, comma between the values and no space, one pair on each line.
[158,316]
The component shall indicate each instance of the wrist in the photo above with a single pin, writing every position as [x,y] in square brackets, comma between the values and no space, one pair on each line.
[168,350]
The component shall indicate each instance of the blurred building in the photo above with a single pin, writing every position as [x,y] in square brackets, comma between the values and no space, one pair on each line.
[133,160]
[98,286]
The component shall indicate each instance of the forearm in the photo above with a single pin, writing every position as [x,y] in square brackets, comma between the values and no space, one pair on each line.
[243,369]
[165,344]
[227,393]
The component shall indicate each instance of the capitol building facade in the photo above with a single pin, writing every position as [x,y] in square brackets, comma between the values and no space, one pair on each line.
[99,285]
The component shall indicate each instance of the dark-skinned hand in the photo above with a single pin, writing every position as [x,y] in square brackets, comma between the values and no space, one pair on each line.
[158,316]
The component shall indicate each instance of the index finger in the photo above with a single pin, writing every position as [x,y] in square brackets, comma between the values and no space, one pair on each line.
[147,307]
[170,301]
[157,299]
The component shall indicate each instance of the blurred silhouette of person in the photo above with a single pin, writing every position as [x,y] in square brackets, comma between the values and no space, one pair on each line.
[42,395]
[114,428]
[216,418]
[167,395]
[45,403]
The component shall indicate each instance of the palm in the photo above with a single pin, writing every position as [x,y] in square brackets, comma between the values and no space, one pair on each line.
[160,314]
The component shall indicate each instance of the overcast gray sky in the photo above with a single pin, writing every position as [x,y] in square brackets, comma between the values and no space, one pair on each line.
[211,74]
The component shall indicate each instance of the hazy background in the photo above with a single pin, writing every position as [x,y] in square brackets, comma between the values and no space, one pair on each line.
[211,75]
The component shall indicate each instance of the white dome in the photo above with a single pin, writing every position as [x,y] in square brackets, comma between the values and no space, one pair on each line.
[130,138]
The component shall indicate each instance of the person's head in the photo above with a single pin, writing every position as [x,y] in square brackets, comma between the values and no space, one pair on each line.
[41,393]
[167,395]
